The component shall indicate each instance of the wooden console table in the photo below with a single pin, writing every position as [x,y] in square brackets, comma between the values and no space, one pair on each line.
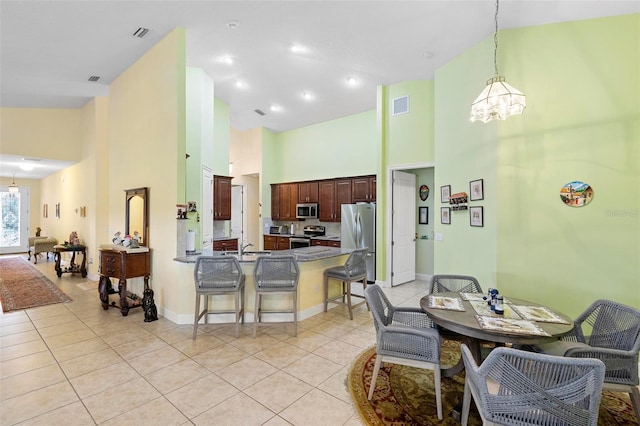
[73,267]
[122,264]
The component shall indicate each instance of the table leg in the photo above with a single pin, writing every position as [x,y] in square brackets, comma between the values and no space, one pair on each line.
[124,305]
[83,268]
[57,255]
[103,290]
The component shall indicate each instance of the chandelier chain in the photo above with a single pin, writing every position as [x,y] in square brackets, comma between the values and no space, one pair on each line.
[495,41]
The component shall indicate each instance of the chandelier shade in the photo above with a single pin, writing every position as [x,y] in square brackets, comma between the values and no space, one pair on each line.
[13,188]
[498,101]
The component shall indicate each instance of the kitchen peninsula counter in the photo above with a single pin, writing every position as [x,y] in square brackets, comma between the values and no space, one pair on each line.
[312,262]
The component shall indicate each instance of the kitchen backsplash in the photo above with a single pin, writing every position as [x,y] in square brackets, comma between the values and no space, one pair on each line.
[331,228]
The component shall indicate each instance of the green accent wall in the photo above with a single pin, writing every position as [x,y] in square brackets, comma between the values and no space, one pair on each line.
[582,122]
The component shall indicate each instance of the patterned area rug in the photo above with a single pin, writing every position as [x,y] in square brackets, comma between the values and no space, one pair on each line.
[22,286]
[406,395]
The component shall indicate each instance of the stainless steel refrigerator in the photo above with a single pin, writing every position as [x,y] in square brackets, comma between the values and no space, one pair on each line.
[358,230]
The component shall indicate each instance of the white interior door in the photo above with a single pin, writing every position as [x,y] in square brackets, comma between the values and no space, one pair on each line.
[237,212]
[403,234]
[207,209]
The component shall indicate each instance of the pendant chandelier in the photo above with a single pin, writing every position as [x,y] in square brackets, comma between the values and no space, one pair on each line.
[13,188]
[498,100]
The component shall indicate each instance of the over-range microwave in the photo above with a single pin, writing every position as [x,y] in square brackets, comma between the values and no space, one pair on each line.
[307,211]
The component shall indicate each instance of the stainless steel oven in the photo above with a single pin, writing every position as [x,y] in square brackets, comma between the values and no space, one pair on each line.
[299,242]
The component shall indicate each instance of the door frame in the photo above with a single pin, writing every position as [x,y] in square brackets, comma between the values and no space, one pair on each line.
[389,210]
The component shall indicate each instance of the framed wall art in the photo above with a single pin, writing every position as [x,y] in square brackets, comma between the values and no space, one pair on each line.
[476,190]
[45,211]
[576,194]
[445,192]
[445,215]
[476,216]
[57,210]
[423,215]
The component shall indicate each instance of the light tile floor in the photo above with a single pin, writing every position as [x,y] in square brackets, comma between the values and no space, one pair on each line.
[76,364]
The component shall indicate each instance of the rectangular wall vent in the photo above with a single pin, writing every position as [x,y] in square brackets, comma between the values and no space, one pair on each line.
[94,78]
[141,32]
[400,105]
[259,112]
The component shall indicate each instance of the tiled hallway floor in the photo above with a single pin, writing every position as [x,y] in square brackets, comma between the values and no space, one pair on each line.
[76,364]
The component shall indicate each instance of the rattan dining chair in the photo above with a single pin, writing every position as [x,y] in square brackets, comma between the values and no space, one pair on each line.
[218,275]
[454,283]
[614,338]
[276,275]
[514,387]
[406,336]
[353,270]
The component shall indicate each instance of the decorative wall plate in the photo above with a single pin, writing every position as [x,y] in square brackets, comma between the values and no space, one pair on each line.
[424,192]
[576,194]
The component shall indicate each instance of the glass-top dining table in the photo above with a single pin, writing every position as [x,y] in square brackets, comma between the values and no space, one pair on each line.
[469,318]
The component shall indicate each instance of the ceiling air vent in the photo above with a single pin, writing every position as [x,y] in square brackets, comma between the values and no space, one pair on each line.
[400,105]
[94,78]
[259,112]
[141,32]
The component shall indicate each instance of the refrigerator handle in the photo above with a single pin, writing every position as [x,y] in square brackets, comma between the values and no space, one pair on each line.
[358,231]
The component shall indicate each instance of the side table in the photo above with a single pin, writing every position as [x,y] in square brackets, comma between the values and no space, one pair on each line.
[73,266]
[122,264]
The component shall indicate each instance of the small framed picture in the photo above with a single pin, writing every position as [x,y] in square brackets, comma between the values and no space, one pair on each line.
[45,211]
[445,215]
[476,190]
[445,192]
[424,192]
[476,216]
[57,210]
[423,215]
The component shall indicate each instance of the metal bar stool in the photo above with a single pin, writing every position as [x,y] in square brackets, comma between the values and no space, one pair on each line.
[353,270]
[276,275]
[218,275]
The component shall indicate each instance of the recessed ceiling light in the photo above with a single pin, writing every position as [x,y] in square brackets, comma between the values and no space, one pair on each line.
[352,81]
[428,55]
[226,59]
[275,107]
[240,83]
[233,24]
[307,96]
[26,167]
[298,48]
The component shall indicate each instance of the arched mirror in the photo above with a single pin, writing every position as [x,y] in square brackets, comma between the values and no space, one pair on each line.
[136,214]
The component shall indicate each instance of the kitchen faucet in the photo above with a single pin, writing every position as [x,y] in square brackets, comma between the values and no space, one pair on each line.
[243,247]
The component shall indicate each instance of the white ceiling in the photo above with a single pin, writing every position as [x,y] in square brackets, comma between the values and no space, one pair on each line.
[48,49]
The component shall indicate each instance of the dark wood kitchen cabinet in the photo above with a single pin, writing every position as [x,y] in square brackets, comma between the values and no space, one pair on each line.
[333,193]
[363,189]
[222,198]
[272,242]
[284,197]
[226,244]
[308,192]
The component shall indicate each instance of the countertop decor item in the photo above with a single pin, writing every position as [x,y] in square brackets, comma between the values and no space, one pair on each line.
[498,100]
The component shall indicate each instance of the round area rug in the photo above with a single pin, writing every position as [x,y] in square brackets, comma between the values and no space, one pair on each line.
[406,395]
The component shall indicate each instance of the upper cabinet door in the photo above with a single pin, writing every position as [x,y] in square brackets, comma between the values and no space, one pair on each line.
[308,192]
[288,200]
[363,189]
[221,198]
[327,200]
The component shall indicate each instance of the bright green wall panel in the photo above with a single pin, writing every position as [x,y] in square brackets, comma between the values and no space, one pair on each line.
[341,147]
[221,137]
[410,137]
[582,123]
[465,151]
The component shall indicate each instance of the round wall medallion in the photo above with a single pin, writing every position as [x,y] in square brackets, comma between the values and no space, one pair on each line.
[576,194]
[424,192]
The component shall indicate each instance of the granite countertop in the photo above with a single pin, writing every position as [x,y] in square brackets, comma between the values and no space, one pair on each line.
[322,237]
[303,254]
[224,238]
